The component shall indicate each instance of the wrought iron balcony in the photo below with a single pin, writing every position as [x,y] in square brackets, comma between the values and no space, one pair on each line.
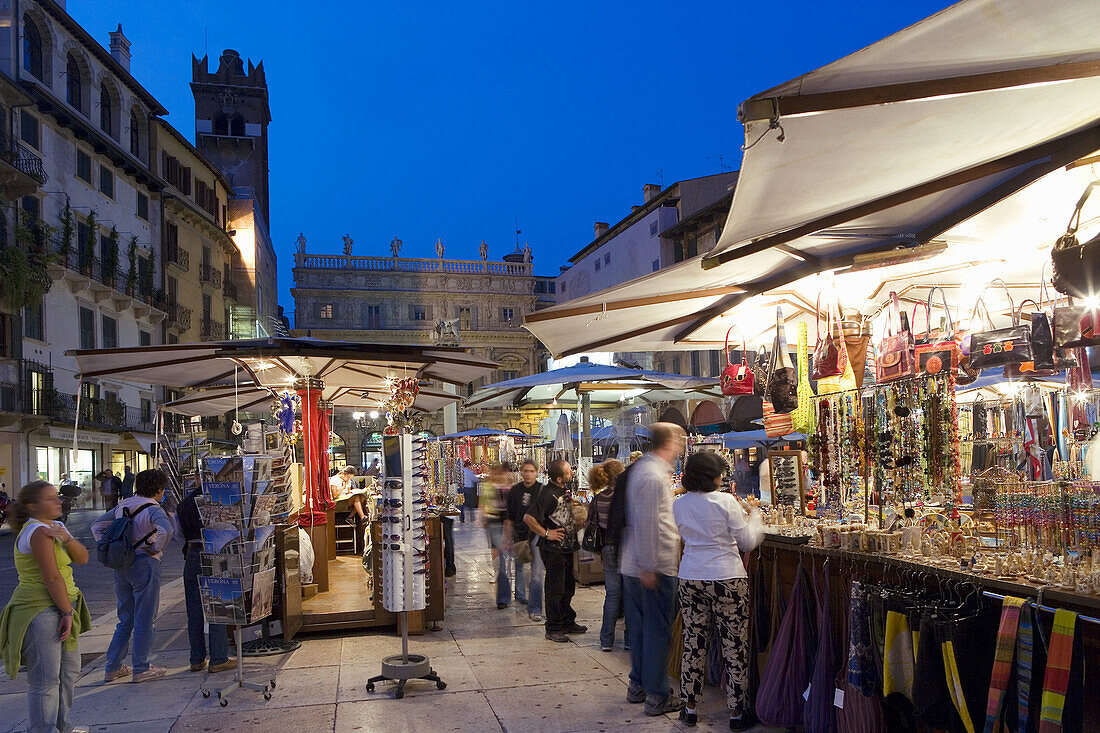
[17,155]
[179,257]
[229,289]
[211,330]
[210,274]
[179,317]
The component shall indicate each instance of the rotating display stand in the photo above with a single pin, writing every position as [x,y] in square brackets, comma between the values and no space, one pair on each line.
[404,554]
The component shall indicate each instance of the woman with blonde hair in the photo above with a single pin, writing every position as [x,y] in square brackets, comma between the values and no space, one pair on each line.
[46,613]
[601,480]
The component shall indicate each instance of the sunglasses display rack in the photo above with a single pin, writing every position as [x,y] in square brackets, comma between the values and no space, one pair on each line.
[404,552]
[787,479]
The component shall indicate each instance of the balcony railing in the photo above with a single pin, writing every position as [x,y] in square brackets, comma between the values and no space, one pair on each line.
[75,258]
[211,330]
[179,257]
[17,155]
[98,412]
[229,289]
[210,274]
[410,264]
[179,317]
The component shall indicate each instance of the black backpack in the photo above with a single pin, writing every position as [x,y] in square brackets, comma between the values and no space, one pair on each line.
[616,512]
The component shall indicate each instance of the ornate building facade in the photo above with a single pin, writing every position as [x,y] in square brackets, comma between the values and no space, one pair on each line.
[476,304]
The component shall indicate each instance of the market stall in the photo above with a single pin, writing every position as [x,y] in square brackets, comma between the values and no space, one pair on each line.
[324,376]
[904,212]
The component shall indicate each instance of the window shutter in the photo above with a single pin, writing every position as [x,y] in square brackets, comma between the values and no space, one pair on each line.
[412,312]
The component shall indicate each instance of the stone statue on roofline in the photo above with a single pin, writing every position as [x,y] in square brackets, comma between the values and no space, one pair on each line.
[483,250]
[348,242]
[527,252]
[300,243]
[395,247]
[439,249]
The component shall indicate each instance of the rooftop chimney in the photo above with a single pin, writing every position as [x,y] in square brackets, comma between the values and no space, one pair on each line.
[601,228]
[120,47]
[649,191]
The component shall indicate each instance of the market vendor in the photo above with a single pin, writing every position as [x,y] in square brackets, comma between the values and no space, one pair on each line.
[343,487]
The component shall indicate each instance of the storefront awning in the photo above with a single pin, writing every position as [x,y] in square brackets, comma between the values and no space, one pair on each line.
[146,441]
[965,138]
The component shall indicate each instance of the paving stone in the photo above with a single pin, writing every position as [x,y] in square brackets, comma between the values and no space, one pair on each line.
[452,711]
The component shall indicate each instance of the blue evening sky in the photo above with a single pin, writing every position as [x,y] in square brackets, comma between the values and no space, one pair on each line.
[424,120]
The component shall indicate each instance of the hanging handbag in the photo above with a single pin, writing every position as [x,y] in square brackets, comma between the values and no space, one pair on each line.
[936,352]
[895,358]
[782,390]
[857,337]
[776,424]
[999,346]
[1076,265]
[1042,362]
[737,379]
[1076,325]
[819,714]
[593,535]
[826,354]
[779,700]
[802,419]
[760,371]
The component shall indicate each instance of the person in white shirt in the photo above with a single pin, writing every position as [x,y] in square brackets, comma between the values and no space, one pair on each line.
[714,587]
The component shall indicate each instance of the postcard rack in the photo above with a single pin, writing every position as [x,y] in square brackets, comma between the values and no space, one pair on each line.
[404,553]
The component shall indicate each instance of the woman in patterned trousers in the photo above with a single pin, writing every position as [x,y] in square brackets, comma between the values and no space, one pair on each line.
[714,588]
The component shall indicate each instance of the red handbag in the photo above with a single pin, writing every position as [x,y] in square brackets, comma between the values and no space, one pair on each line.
[936,351]
[895,358]
[827,357]
[737,379]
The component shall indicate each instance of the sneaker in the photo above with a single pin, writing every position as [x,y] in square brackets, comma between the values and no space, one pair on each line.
[742,722]
[198,666]
[536,617]
[557,636]
[119,673]
[351,519]
[659,706]
[223,666]
[575,628]
[502,606]
[152,673]
[80,729]
[688,719]
[635,694]
[450,573]
[605,648]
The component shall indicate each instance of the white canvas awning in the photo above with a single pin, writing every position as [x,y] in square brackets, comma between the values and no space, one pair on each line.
[250,398]
[908,143]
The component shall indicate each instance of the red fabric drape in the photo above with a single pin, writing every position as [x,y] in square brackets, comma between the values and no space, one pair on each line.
[316,495]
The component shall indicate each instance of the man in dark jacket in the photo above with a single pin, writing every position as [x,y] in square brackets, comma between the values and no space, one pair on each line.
[127,483]
[191,529]
[520,499]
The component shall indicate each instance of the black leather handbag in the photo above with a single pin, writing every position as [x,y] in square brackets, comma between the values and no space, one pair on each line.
[999,346]
[1076,264]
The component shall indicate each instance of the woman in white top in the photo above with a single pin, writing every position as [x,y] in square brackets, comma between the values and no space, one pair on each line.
[714,587]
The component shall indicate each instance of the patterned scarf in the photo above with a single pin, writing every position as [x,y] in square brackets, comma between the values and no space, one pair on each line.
[1002,662]
[1024,661]
[1056,681]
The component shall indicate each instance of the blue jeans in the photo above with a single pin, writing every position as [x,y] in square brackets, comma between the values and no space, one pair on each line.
[138,593]
[51,674]
[219,642]
[613,595]
[649,615]
[504,583]
[531,594]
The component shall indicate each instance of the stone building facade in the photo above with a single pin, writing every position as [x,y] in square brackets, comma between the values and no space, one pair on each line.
[400,300]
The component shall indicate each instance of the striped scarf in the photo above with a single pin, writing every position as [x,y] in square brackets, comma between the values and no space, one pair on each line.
[1056,681]
[1024,661]
[1002,662]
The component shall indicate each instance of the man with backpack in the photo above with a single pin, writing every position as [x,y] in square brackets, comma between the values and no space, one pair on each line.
[649,559]
[131,538]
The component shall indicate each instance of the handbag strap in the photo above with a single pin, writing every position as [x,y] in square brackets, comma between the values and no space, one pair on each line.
[743,349]
[1075,218]
[946,307]
[927,318]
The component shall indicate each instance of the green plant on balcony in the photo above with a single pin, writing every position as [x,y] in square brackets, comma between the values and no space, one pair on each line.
[131,257]
[87,247]
[24,267]
[110,257]
[66,231]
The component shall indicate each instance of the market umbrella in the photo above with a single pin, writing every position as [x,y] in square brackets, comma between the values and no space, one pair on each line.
[563,440]
[590,384]
[220,400]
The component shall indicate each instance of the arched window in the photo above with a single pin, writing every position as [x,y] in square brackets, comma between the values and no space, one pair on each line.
[221,125]
[74,86]
[135,135]
[236,126]
[106,112]
[32,48]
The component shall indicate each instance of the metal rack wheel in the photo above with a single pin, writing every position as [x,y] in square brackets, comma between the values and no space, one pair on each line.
[223,702]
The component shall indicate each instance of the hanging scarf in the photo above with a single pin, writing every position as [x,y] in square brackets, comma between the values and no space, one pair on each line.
[1024,659]
[1002,662]
[1056,680]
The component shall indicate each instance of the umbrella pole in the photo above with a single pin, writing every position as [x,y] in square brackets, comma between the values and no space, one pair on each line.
[586,426]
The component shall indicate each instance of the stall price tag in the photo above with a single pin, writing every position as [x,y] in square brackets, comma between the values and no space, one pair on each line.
[838,698]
